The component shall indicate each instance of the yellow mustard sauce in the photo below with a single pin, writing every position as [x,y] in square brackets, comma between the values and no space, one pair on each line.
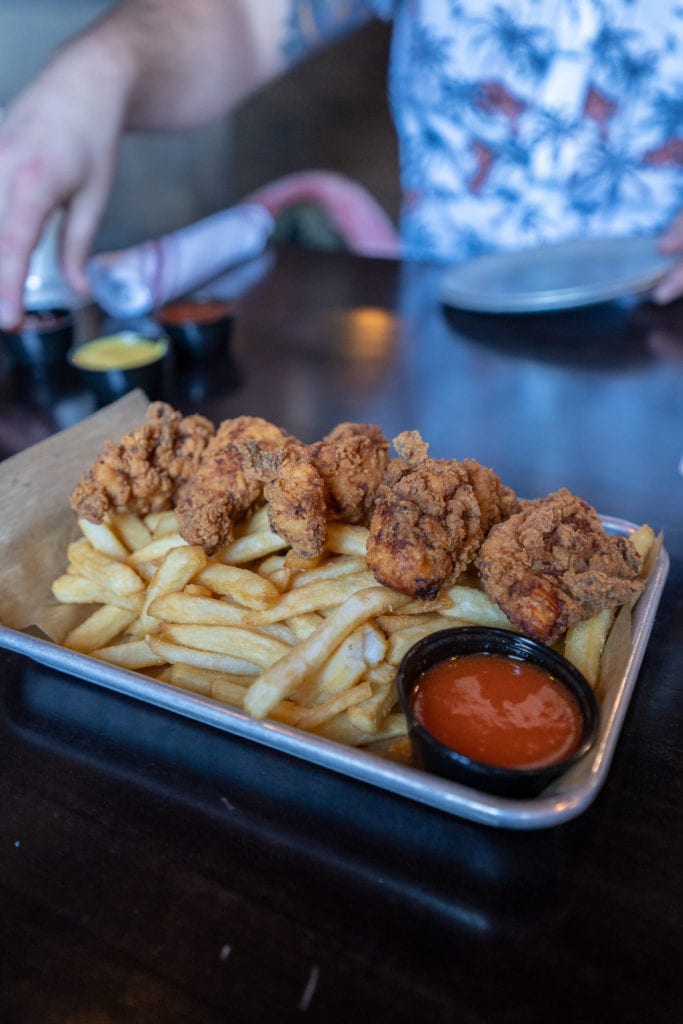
[123,351]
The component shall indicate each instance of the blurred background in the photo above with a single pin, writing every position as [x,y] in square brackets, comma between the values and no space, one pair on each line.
[330,112]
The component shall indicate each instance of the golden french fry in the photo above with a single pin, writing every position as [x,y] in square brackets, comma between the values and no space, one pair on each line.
[161,523]
[108,572]
[344,539]
[313,597]
[340,565]
[473,606]
[72,589]
[102,626]
[156,549]
[178,654]
[104,539]
[282,678]
[585,642]
[251,547]
[131,529]
[401,640]
[364,647]
[208,611]
[244,586]
[178,568]
[643,539]
[369,714]
[311,718]
[246,644]
[133,654]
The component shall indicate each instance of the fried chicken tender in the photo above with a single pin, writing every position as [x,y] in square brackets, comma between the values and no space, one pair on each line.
[145,470]
[430,518]
[333,480]
[225,485]
[552,565]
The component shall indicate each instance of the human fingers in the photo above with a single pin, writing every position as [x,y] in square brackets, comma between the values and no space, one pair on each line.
[78,230]
[29,199]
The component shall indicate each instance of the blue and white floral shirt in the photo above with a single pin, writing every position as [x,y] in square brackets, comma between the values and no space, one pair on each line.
[530,121]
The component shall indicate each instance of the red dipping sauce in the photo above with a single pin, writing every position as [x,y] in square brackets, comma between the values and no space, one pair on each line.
[497,710]
[186,311]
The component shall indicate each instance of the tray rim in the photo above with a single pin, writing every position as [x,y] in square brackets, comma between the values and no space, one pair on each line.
[567,799]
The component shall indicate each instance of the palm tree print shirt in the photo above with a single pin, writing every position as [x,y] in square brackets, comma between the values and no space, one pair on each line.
[530,121]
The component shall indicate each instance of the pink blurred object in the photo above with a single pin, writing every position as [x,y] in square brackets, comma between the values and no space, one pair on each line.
[132,282]
[357,217]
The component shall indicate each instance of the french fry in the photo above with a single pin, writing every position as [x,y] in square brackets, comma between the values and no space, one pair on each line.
[344,539]
[251,547]
[369,714]
[246,644]
[311,718]
[108,572]
[72,589]
[282,678]
[161,523]
[174,654]
[178,568]
[131,529]
[208,682]
[133,654]
[314,596]
[342,565]
[157,548]
[361,649]
[207,611]
[475,607]
[104,539]
[585,642]
[244,586]
[102,626]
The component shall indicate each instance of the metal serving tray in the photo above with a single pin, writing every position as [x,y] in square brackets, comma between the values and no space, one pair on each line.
[568,797]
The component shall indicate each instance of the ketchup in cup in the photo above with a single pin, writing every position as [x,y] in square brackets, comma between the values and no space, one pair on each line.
[498,710]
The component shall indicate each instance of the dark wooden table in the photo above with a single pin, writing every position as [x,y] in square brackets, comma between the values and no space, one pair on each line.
[155,870]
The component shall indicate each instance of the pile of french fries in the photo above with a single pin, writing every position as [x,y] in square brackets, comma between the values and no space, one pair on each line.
[312,647]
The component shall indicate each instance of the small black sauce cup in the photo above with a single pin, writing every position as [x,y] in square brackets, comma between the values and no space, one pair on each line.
[436,757]
[43,338]
[112,382]
[197,328]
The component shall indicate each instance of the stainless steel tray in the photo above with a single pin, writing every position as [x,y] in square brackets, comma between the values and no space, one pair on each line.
[564,800]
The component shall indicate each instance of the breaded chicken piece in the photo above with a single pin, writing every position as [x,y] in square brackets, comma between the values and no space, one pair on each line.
[333,480]
[430,518]
[552,565]
[145,470]
[225,486]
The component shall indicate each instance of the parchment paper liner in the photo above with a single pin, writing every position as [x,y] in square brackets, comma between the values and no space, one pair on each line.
[36,522]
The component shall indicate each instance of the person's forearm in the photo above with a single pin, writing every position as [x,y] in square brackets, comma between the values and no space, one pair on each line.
[191,61]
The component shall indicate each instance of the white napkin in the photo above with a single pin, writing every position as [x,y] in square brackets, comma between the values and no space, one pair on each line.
[134,281]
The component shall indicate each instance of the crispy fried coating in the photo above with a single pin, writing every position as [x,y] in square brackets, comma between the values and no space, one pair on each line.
[552,565]
[225,484]
[430,518]
[147,469]
[333,480]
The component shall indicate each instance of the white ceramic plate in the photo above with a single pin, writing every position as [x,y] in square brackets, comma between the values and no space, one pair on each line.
[555,277]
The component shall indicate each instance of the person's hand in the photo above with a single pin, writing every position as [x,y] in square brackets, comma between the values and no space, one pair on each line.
[58,148]
[671,285]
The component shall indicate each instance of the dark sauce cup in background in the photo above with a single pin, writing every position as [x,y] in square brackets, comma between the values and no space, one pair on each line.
[42,339]
[198,328]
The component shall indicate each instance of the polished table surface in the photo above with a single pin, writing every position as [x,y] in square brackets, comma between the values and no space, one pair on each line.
[153,869]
